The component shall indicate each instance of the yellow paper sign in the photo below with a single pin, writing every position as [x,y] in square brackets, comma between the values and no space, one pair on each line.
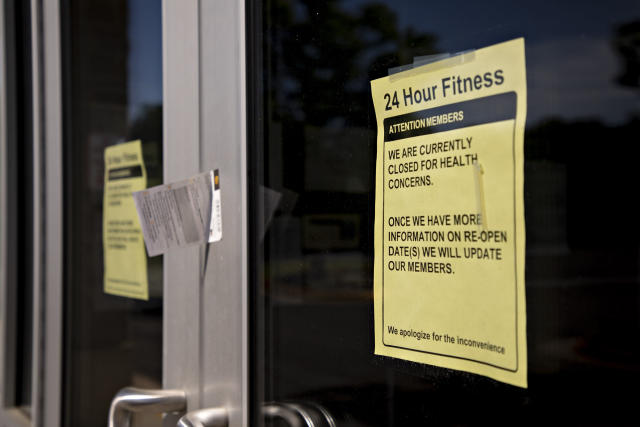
[449,224]
[125,261]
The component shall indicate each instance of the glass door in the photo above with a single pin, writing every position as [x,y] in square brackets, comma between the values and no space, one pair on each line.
[154,72]
[122,94]
[312,147]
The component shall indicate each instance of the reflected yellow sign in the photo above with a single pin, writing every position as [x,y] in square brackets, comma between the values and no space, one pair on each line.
[125,261]
[449,228]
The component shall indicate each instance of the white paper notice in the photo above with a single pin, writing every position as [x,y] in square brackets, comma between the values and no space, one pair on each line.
[180,214]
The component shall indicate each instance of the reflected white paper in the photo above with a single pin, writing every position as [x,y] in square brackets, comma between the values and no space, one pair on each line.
[180,214]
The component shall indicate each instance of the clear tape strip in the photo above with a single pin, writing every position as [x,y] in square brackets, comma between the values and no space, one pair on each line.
[429,63]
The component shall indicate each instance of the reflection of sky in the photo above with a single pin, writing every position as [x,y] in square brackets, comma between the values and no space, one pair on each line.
[571,64]
[145,55]
[565,82]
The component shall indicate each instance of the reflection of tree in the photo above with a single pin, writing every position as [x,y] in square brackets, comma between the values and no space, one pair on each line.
[322,57]
[601,170]
[627,43]
[600,165]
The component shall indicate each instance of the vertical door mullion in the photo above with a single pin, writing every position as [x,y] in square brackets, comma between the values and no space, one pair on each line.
[204,128]
[181,330]
[49,390]
[223,147]
[38,229]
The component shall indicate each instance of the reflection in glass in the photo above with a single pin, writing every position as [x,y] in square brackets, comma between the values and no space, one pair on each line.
[113,84]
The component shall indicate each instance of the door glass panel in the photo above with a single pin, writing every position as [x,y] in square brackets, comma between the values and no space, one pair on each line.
[113,87]
[313,143]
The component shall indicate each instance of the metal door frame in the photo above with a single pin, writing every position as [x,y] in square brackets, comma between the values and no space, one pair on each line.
[206,319]
[47,223]
[181,159]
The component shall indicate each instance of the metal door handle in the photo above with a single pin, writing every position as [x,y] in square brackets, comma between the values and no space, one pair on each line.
[133,399]
[299,414]
[212,417]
